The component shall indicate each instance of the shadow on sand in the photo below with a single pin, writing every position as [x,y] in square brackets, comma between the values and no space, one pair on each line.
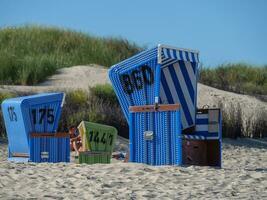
[247,142]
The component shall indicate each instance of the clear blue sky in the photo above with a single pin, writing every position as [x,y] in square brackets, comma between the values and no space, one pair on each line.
[222,30]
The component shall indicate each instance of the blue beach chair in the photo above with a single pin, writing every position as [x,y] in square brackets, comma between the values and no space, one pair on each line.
[31,123]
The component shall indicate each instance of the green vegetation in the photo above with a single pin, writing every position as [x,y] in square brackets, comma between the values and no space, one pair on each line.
[104,92]
[4,96]
[31,53]
[100,106]
[239,78]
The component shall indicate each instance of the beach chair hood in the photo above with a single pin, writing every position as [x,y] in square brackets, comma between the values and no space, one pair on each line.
[164,74]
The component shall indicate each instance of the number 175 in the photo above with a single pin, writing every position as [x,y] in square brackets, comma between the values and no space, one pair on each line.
[43,113]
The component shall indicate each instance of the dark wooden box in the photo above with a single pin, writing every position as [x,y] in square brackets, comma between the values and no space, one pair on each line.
[201,152]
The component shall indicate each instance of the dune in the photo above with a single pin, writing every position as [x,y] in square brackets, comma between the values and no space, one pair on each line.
[66,79]
[84,77]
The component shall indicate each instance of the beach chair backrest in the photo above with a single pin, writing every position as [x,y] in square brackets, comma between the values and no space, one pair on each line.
[164,75]
[98,137]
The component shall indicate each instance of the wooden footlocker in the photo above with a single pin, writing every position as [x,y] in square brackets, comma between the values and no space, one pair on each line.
[201,152]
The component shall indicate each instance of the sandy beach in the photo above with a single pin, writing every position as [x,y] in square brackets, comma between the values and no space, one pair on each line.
[243,176]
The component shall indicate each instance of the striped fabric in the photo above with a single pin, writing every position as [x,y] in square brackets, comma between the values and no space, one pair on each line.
[179,81]
[202,129]
[169,54]
[179,85]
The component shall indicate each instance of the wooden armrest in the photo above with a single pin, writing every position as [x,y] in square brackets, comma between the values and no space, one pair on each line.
[45,135]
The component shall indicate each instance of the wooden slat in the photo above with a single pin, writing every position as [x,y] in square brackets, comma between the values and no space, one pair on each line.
[205,111]
[22,155]
[43,135]
[152,108]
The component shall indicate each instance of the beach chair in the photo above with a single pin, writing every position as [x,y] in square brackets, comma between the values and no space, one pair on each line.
[97,142]
[167,75]
[31,123]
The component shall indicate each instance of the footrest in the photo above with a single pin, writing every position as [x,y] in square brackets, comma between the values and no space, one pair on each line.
[92,157]
[200,137]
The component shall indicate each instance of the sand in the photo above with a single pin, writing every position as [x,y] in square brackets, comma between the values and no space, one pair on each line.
[243,176]
[66,79]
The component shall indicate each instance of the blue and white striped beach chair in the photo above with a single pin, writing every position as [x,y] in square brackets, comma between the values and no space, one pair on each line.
[164,75]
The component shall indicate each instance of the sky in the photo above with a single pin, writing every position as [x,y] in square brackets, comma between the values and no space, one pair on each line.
[222,30]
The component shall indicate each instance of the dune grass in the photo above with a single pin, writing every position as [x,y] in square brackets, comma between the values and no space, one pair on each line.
[239,78]
[29,54]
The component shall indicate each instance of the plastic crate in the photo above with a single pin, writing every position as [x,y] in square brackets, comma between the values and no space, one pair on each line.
[97,142]
[155,135]
[28,114]
[164,75]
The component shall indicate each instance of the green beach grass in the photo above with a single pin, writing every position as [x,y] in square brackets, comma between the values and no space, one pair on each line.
[29,54]
[239,78]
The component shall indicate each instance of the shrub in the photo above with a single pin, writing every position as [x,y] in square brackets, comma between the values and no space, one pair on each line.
[100,106]
[104,92]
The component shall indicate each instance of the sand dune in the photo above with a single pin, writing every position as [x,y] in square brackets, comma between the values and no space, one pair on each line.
[243,176]
[67,79]
[83,77]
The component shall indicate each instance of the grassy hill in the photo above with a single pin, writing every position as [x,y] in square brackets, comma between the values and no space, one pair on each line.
[239,78]
[28,55]
[31,53]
